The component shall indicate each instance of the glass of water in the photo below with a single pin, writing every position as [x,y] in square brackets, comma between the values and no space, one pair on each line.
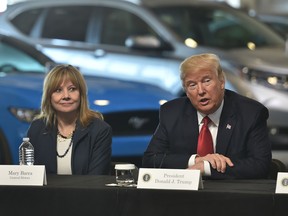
[125,174]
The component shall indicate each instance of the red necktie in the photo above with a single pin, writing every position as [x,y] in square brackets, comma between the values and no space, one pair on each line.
[205,142]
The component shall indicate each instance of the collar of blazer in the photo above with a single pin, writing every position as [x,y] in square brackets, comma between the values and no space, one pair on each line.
[79,132]
[227,124]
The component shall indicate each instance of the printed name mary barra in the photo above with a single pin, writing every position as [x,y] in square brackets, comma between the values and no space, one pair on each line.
[173,176]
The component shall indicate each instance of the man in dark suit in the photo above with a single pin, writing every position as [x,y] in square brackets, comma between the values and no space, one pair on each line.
[240,145]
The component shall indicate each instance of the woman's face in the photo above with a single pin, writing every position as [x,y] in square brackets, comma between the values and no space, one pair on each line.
[66,98]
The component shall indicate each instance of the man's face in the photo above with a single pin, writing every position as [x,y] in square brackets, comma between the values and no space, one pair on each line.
[204,89]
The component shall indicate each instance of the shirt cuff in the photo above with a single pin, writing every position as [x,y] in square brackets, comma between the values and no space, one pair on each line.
[191,161]
[207,169]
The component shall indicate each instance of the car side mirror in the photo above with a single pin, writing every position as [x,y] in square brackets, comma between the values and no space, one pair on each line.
[146,42]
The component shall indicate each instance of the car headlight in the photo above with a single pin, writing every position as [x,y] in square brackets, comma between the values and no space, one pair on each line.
[24,114]
[271,80]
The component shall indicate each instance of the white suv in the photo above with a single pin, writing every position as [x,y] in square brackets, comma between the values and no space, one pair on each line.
[103,37]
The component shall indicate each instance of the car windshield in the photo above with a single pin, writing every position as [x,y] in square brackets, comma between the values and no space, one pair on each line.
[12,60]
[217,27]
[281,28]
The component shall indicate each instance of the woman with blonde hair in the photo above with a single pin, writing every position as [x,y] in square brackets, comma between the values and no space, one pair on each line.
[68,137]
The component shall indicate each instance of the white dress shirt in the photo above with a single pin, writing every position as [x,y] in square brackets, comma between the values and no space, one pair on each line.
[213,127]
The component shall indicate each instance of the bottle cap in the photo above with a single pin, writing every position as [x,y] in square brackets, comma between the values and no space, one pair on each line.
[124,166]
[26,139]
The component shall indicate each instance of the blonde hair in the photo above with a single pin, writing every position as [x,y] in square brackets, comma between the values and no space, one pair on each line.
[196,62]
[52,81]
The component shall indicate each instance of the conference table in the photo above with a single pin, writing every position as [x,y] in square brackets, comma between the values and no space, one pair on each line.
[88,195]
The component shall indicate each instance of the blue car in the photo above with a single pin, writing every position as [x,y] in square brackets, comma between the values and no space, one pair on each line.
[131,108]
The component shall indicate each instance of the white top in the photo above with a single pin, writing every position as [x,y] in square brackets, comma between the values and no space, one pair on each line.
[64,163]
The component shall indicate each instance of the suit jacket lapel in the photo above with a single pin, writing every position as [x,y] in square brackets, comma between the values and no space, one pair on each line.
[80,132]
[227,124]
[192,125]
[50,143]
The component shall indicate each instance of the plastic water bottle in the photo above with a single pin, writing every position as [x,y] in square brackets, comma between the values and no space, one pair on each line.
[26,152]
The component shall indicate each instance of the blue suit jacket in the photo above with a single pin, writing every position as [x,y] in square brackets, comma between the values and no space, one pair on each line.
[91,151]
[242,136]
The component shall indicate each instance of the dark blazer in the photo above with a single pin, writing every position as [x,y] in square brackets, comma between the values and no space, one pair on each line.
[91,151]
[242,136]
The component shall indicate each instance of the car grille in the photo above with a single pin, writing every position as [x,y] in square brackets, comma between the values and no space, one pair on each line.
[133,123]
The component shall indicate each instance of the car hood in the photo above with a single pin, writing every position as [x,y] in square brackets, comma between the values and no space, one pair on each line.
[119,94]
[267,59]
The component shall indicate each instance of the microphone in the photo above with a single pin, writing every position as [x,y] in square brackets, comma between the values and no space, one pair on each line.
[160,166]
[161,162]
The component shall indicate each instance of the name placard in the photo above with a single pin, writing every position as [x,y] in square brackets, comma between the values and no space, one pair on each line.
[172,179]
[282,183]
[34,175]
